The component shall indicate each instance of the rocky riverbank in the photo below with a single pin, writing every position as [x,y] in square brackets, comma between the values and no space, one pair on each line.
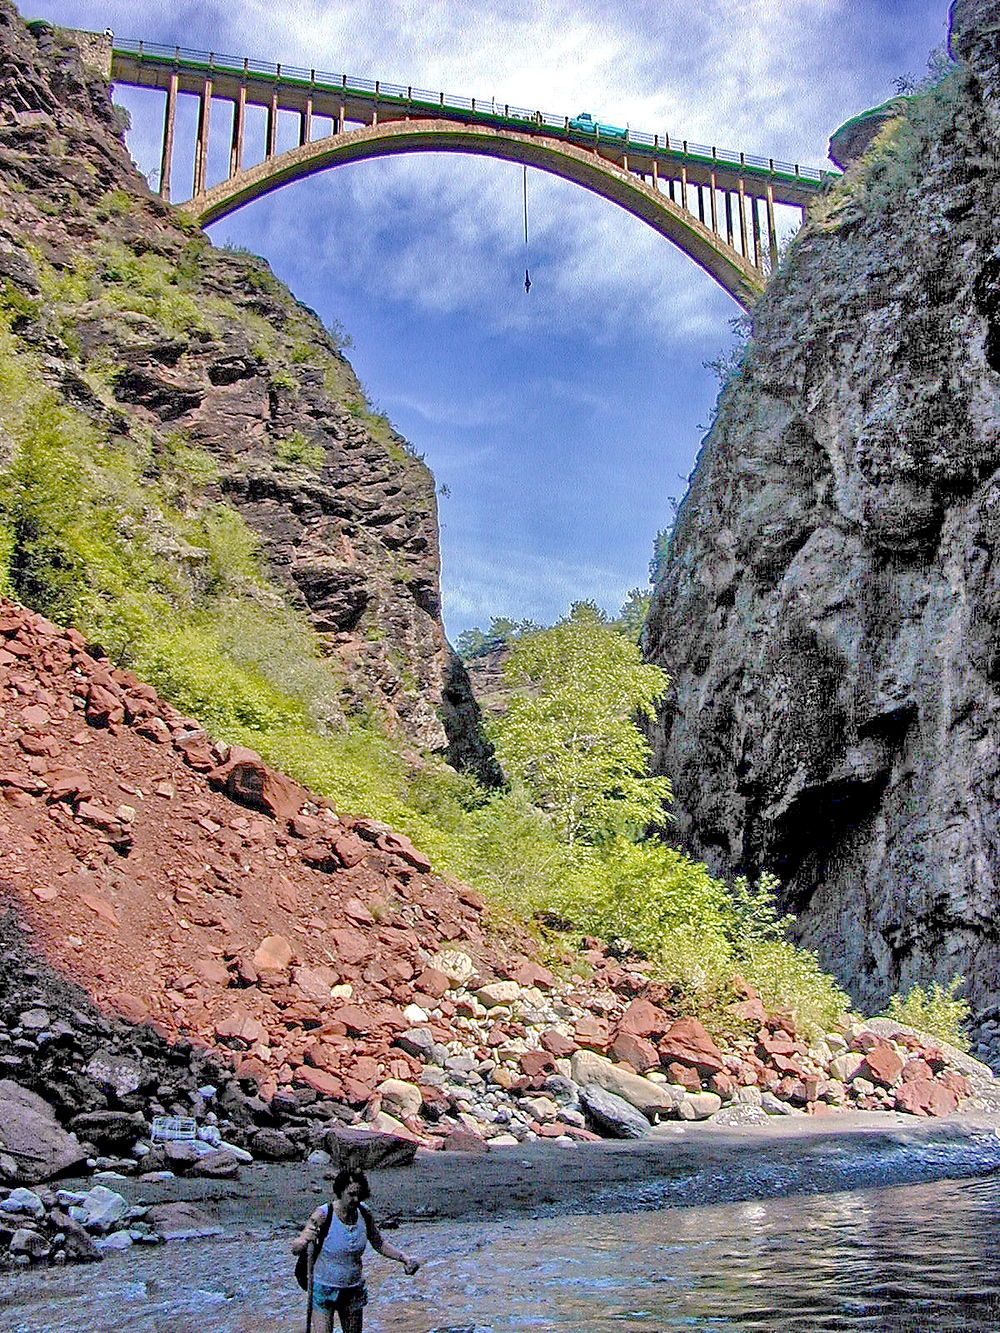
[193,938]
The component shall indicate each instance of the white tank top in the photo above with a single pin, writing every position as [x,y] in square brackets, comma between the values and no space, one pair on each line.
[338,1263]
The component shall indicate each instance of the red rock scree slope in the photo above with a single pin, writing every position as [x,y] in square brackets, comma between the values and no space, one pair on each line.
[187,886]
[193,918]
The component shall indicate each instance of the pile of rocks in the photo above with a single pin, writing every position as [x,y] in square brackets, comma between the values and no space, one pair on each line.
[59,1225]
[558,1070]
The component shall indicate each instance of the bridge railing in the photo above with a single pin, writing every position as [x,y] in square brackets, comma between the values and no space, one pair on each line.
[486,108]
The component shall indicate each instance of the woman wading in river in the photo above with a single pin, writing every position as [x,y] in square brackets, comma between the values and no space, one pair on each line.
[335,1238]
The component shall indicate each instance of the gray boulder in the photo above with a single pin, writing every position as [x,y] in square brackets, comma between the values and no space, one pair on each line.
[101,1209]
[118,1073]
[181,1221]
[23,1203]
[28,1242]
[31,1136]
[110,1129]
[368,1149]
[649,1098]
[611,1115]
[271,1145]
[218,1165]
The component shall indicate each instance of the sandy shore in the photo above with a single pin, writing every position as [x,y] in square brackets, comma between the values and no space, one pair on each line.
[679,1164]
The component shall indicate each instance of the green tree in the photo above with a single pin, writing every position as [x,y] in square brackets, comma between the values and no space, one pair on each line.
[632,616]
[475,642]
[569,733]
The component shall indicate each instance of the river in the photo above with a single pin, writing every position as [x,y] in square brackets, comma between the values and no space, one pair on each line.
[919,1258]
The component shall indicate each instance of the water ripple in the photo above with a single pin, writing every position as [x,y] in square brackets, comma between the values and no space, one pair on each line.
[917,1258]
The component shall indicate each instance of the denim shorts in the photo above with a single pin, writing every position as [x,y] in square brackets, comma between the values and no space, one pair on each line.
[345,1300]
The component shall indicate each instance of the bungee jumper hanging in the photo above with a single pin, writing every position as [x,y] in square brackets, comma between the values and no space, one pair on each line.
[524,185]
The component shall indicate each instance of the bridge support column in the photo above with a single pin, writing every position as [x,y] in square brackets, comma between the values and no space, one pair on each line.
[339,127]
[239,119]
[201,145]
[167,155]
[772,233]
[656,175]
[729,217]
[272,124]
[701,204]
[714,204]
[684,186]
[755,220]
[744,249]
[305,122]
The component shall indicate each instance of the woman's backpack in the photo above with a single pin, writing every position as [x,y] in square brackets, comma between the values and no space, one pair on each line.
[302,1261]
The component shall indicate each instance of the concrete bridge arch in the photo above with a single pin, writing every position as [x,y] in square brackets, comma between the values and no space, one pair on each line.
[581,166]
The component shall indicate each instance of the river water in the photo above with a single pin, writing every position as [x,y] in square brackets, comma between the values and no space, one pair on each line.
[919,1258]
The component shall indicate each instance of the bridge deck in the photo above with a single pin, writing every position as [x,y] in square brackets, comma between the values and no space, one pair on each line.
[348,99]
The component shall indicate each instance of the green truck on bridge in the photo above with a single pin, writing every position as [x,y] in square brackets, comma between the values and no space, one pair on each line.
[585,123]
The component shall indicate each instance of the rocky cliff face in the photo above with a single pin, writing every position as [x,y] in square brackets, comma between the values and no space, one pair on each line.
[160,336]
[830,610]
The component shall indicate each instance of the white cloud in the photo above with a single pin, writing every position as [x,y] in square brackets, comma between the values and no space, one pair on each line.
[525,585]
[469,414]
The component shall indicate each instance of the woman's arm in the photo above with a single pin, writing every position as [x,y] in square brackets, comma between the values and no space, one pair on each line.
[310,1232]
[379,1243]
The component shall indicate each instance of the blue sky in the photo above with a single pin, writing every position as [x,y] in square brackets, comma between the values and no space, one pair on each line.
[561,422]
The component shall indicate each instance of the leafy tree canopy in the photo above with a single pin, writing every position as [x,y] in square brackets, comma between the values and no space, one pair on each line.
[569,733]
[632,616]
[476,642]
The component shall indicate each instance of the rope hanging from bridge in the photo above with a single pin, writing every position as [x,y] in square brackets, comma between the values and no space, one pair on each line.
[524,185]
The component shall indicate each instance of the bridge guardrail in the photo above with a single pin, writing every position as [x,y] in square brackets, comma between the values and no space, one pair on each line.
[489,109]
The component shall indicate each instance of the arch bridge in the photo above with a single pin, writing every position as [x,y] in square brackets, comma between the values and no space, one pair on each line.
[716,205]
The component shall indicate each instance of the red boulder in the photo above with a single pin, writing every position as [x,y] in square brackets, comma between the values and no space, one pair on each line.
[688,1043]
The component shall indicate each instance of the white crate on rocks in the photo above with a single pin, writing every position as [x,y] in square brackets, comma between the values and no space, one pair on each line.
[173,1128]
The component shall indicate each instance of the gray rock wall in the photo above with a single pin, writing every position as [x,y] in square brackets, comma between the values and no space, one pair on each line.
[830,610]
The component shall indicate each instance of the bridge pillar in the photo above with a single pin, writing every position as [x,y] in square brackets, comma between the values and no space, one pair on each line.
[729,218]
[743,220]
[272,123]
[239,119]
[167,155]
[714,203]
[201,144]
[305,121]
[755,219]
[772,232]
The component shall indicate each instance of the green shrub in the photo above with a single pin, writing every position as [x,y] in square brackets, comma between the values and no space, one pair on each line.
[114,204]
[789,977]
[936,1010]
[14,305]
[6,556]
[297,449]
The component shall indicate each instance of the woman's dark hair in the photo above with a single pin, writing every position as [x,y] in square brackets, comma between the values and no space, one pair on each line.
[344,1177]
